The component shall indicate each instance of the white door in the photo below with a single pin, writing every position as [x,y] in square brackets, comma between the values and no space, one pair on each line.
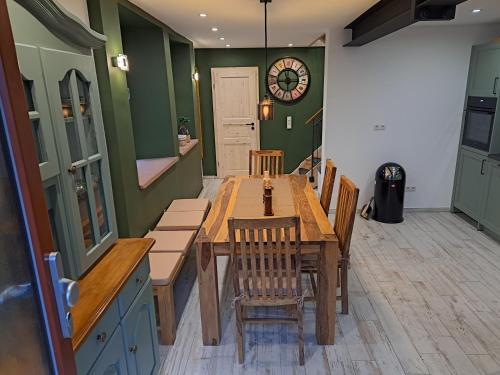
[235,93]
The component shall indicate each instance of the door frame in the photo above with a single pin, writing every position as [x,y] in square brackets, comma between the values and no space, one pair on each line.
[30,190]
[214,71]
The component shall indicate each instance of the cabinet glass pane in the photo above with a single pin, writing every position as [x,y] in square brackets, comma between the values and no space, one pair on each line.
[85,109]
[80,187]
[100,201]
[28,92]
[37,134]
[69,121]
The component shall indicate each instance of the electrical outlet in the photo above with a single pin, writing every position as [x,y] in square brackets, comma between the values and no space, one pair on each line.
[379,127]
[411,189]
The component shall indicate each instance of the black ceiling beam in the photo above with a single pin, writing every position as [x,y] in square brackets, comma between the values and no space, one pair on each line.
[388,16]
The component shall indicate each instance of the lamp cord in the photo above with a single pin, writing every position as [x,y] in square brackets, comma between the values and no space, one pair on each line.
[265,34]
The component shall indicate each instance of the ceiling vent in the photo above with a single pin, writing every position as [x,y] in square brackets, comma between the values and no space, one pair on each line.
[388,16]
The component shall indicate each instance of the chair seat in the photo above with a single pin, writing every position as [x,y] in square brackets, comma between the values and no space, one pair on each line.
[172,241]
[188,220]
[164,267]
[182,205]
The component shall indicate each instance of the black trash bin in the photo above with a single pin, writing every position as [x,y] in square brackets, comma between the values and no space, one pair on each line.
[390,182]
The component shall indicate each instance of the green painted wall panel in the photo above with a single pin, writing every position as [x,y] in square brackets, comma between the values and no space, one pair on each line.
[273,134]
[137,210]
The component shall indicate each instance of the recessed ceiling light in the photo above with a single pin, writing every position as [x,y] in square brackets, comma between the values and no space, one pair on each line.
[477,10]
[290,44]
[203,15]
[215,28]
[221,38]
[228,45]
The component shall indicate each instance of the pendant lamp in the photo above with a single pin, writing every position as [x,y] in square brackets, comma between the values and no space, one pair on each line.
[265,108]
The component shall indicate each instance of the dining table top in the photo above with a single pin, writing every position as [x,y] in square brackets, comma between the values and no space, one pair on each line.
[242,197]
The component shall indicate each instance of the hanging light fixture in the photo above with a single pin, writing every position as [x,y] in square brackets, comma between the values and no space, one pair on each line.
[266,106]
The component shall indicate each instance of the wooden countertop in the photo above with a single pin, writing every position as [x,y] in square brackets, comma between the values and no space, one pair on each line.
[101,285]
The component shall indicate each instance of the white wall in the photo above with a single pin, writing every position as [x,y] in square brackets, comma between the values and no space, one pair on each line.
[77,7]
[412,81]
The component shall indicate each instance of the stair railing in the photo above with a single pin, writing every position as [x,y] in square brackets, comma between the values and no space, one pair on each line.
[316,123]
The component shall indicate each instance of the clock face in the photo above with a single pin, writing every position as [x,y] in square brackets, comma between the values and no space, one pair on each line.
[288,80]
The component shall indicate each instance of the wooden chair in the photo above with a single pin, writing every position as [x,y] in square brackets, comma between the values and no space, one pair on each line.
[266,271]
[310,261]
[344,222]
[328,182]
[266,160]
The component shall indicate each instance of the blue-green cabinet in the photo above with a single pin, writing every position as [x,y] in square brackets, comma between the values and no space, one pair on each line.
[112,360]
[484,75]
[490,216]
[141,338]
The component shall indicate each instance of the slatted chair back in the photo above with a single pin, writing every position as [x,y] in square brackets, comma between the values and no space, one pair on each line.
[327,189]
[345,214]
[266,160]
[265,256]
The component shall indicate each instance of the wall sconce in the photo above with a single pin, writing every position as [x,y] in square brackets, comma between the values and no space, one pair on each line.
[121,62]
[196,75]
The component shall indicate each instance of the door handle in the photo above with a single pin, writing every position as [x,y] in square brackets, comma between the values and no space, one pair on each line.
[252,124]
[495,84]
[72,169]
[482,167]
[66,293]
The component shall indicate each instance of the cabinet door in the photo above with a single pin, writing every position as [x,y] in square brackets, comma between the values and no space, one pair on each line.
[141,338]
[469,184]
[38,108]
[74,99]
[112,360]
[491,208]
[484,78]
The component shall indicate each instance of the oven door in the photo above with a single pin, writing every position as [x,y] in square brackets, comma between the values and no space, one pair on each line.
[478,128]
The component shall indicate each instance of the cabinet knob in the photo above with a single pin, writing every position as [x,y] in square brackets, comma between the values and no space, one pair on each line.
[139,280]
[72,169]
[101,337]
[133,349]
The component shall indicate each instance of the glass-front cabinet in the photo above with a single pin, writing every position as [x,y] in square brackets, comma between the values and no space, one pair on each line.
[63,103]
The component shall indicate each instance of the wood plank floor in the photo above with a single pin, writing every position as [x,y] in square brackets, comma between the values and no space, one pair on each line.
[424,299]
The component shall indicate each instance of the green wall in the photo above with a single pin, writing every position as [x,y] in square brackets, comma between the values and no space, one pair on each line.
[273,134]
[137,210]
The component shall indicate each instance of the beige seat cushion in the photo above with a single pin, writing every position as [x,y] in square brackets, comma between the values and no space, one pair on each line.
[172,241]
[189,220]
[164,267]
[189,205]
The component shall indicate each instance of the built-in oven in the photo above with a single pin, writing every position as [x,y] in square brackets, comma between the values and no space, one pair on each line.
[479,122]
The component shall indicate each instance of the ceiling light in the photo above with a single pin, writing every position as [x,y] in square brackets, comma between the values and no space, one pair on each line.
[221,38]
[476,10]
[203,15]
[215,29]
[290,44]
[228,45]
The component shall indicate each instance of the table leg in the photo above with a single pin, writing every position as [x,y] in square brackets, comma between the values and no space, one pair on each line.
[209,293]
[327,294]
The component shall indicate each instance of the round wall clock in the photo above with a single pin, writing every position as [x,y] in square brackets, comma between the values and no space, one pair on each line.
[288,80]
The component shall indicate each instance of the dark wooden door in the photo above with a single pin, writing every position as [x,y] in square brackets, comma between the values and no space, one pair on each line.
[28,318]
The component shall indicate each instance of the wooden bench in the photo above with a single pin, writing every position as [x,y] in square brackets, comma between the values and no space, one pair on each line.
[181,220]
[164,270]
[184,205]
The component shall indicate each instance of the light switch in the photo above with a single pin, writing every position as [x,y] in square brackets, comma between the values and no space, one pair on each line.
[289,122]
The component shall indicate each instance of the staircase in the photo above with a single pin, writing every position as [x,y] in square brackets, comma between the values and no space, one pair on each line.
[311,166]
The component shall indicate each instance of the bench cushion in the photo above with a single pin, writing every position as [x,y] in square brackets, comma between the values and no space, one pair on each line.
[189,220]
[164,267]
[171,241]
[200,204]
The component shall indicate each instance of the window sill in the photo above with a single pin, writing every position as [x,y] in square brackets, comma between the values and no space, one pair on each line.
[183,150]
[149,170]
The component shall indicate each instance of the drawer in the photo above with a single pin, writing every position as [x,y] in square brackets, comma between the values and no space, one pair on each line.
[133,286]
[97,339]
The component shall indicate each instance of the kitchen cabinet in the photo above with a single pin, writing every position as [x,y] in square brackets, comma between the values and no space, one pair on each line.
[112,360]
[490,216]
[484,75]
[469,182]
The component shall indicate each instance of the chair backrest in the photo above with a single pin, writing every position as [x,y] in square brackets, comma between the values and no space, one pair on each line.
[266,160]
[345,214]
[327,189]
[265,256]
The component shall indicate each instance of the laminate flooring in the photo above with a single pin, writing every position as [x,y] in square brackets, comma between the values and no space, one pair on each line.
[424,299]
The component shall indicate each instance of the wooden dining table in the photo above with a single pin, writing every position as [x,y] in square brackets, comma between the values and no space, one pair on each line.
[241,197]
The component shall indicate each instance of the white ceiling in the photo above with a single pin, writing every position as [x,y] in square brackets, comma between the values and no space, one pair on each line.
[241,22]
